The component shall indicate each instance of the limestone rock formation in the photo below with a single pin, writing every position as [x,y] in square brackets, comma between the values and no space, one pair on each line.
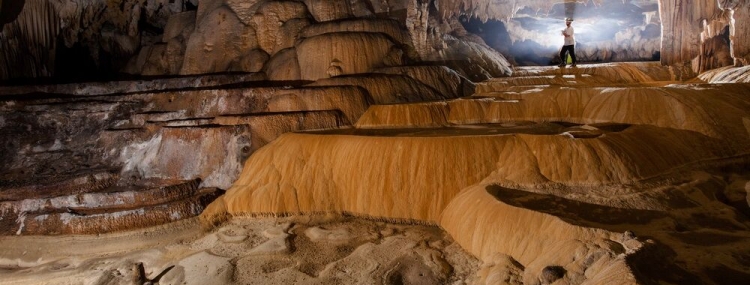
[388,88]
[219,39]
[278,23]
[348,53]
[576,157]
[157,37]
[184,128]
[443,79]
[103,141]
[727,75]
[136,37]
[79,38]
[324,11]
[713,28]
[283,66]
[615,173]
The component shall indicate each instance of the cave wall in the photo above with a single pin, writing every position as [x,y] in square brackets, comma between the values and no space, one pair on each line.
[100,34]
[703,35]
[739,30]
[310,40]
[165,37]
[695,34]
[94,39]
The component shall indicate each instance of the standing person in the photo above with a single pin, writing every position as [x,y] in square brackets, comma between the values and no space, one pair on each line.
[570,43]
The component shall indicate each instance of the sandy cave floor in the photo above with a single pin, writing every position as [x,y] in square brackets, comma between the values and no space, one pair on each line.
[246,250]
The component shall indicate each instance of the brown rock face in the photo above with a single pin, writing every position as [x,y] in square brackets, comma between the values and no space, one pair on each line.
[104,38]
[97,139]
[278,23]
[186,152]
[117,208]
[219,39]
[324,11]
[348,53]
[705,36]
[160,38]
[738,28]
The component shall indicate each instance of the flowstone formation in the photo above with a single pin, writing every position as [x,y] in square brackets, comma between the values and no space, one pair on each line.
[42,38]
[602,174]
[120,155]
[350,115]
[107,156]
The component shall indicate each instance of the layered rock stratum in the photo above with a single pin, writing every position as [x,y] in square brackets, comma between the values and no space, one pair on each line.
[375,142]
[612,174]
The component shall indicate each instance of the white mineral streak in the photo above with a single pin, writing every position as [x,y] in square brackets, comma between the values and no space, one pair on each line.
[137,157]
[21,220]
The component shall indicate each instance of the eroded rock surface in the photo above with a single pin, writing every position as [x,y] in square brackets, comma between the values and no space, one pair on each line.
[93,139]
[307,250]
[553,174]
[157,37]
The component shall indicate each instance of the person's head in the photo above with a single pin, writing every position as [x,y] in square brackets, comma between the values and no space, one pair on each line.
[568,21]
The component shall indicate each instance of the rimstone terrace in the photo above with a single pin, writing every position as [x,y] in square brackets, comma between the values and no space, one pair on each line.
[373,142]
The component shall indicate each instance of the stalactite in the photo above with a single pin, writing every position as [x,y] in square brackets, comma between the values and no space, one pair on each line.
[499,9]
[109,30]
[738,12]
[28,43]
[721,36]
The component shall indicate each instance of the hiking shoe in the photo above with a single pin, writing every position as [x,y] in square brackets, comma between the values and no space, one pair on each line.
[574,65]
[561,65]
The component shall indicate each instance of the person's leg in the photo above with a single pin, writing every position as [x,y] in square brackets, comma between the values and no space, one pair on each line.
[573,54]
[562,55]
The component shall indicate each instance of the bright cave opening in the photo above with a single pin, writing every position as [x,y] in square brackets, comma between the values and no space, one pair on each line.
[614,31]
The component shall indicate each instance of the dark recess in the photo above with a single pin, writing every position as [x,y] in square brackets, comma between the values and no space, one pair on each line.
[9,10]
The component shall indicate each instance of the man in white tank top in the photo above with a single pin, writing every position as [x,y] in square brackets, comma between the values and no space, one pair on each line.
[570,43]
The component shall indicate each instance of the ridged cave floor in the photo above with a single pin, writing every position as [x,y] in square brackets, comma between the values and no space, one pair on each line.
[601,174]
